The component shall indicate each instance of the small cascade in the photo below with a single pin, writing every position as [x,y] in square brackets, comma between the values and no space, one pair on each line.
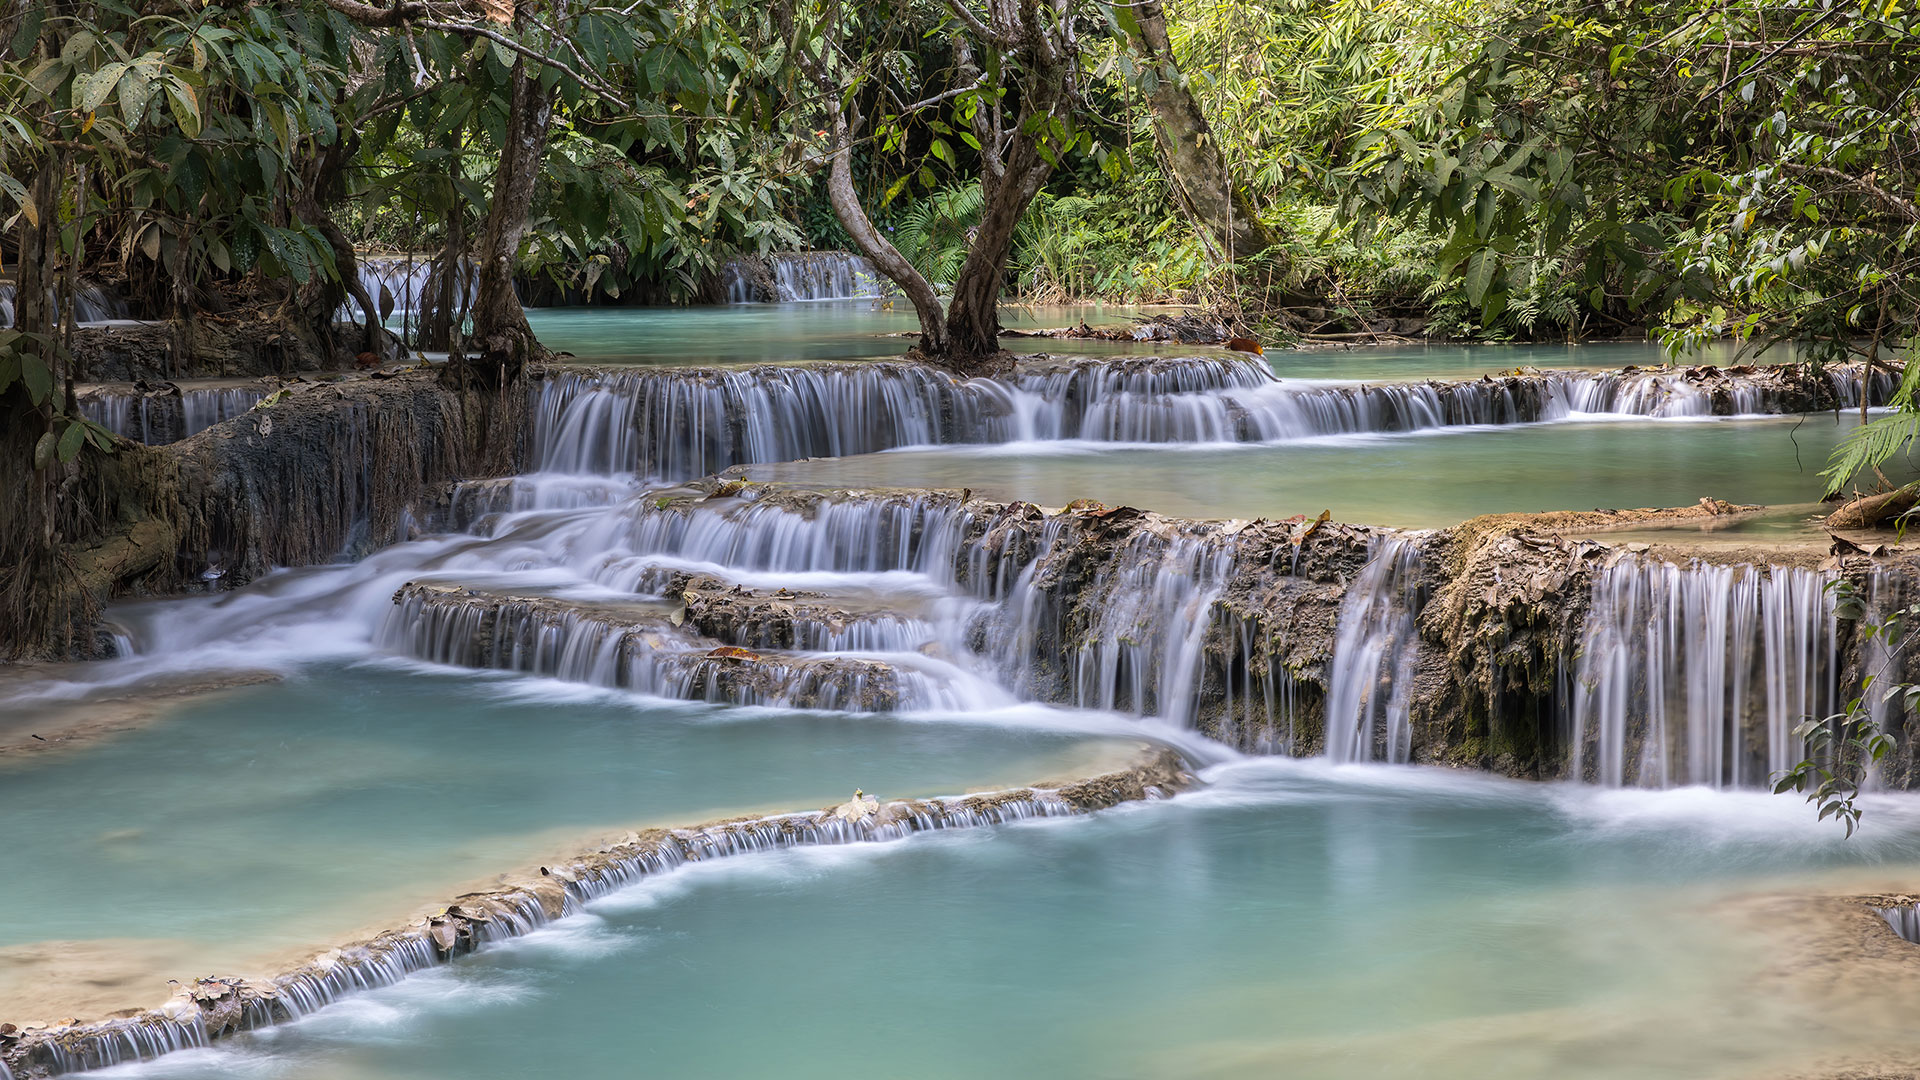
[685,424]
[645,652]
[1260,704]
[1699,674]
[921,534]
[1904,919]
[1143,652]
[409,280]
[163,417]
[740,281]
[824,275]
[1370,680]
[92,304]
[119,1041]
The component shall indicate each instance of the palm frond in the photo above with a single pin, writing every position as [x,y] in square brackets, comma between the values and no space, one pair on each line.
[1870,446]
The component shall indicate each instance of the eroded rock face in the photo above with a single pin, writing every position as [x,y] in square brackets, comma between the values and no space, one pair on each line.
[1514,643]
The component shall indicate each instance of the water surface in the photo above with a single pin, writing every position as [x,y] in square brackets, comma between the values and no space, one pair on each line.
[296,814]
[1294,920]
[1414,480]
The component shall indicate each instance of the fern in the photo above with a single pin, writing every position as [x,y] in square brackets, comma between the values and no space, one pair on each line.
[1869,446]
[932,233]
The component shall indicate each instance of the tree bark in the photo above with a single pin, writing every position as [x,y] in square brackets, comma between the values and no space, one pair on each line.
[1219,207]
[973,316]
[320,179]
[505,341]
[879,251]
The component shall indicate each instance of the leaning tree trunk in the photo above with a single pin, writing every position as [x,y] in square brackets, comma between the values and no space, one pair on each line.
[934,340]
[504,340]
[1218,206]
[320,182]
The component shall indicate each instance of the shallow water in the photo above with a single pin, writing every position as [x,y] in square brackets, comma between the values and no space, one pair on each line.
[296,814]
[1292,920]
[784,333]
[1413,480]
[871,330]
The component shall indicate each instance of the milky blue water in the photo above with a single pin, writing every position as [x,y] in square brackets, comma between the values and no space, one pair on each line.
[1292,920]
[1413,480]
[299,813]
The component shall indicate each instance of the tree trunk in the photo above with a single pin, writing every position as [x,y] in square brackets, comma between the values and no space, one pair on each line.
[38,612]
[1197,170]
[879,251]
[973,317]
[505,341]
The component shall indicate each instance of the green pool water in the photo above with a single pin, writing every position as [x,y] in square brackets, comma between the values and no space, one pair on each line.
[1417,480]
[295,814]
[1291,920]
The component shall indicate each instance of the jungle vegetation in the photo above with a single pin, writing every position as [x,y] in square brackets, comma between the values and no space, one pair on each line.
[1485,170]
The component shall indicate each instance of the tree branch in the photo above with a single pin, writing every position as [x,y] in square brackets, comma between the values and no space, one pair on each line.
[1901,207]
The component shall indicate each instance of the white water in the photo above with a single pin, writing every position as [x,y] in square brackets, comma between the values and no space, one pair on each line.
[1698,675]
[679,424]
[1370,679]
[156,418]
[91,304]
[408,281]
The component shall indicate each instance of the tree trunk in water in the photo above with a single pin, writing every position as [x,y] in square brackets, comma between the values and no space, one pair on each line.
[505,341]
[1220,208]
[973,317]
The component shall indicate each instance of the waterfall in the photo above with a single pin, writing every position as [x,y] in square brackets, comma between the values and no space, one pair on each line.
[685,424]
[824,275]
[680,424]
[1699,674]
[156,418]
[851,665]
[1142,652]
[91,304]
[1370,680]
[410,280]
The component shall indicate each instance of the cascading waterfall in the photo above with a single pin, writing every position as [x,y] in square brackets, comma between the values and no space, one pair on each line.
[1370,680]
[680,424]
[646,653]
[1143,652]
[1699,674]
[91,304]
[159,418]
[824,275]
[409,280]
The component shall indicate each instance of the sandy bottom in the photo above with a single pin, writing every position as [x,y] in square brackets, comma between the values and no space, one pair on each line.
[29,731]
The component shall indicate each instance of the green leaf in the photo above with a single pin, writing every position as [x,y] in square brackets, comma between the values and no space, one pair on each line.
[91,92]
[37,376]
[29,31]
[1479,274]
[185,104]
[70,441]
[43,451]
